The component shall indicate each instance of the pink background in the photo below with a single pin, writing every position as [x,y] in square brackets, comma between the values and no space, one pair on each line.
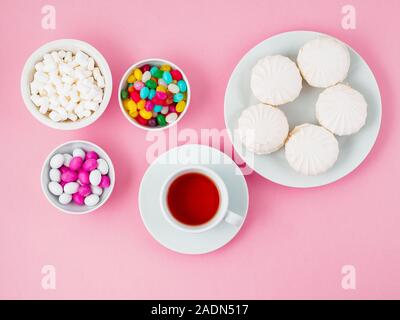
[294,242]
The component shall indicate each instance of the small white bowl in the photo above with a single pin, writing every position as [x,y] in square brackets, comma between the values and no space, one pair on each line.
[68,147]
[123,85]
[70,45]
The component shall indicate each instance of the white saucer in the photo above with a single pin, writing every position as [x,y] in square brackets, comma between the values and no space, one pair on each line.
[353,149]
[150,188]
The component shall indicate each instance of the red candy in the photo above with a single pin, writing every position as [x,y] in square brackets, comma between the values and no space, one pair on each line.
[135,96]
[145,68]
[142,121]
[158,101]
[176,75]
[172,108]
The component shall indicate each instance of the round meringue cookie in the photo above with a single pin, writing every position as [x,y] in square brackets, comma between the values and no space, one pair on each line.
[341,109]
[311,149]
[263,129]
[324,62]
[275,80]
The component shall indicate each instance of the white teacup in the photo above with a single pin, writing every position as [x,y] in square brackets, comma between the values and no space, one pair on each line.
[222,214]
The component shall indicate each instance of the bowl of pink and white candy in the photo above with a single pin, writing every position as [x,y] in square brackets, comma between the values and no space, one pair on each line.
[78,177]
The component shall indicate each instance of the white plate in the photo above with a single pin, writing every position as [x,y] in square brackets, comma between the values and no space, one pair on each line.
[353,149]
[150,190]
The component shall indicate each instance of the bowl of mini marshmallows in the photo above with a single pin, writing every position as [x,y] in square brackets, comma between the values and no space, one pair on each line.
[66,84]
[77,177]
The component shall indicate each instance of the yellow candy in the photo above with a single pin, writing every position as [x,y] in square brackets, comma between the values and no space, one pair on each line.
[161,88]
[180,106]
[165,67]
[131,78]
[131,106]
[138,74]
[125,103]
[133,113]
[145,114]
[141,104]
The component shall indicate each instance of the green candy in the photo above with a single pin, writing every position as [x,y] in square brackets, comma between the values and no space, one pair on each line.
[124,94]
[158,73]
[161,120]
[151,84]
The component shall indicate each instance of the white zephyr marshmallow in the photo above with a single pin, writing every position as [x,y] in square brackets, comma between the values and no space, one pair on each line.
[275,80]
[324,62]
[263,129]
[341,109]
[62,80]
[311,149]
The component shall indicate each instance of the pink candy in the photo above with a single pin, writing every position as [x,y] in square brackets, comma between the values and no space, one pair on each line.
[105,182]
[76,163]
[83,177]
[89,164]
[161,95]
[69,176]
[84,190]
[91,155]
[78,199]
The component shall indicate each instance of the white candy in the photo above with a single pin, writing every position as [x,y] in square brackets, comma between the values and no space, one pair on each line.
[71,187]
[65,198]
[78,153]
[164,110]
[55,175]
[102,166]
[173,88]
[171,117]
[96,190]
[55,188]
[63,79]
[57,161]
[67,159]
[92,200]
[146,76]
[95,177]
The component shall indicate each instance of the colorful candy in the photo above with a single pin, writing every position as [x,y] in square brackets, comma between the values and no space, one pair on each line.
[80,177]
[155,95]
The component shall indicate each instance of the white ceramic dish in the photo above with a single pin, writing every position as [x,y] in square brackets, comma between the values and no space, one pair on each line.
[67,147]
[161,169]
[353,149]
[123,85]
[71,45]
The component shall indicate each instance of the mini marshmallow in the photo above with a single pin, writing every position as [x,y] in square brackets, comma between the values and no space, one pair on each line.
[67,86]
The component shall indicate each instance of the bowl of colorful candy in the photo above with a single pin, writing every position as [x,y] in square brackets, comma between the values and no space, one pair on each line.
[77,177]
[154,94]
[66,84]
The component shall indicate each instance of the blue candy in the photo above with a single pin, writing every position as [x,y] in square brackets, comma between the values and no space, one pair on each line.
[152,94]
[178,97]
[157,108]
[144,92]
[153,70]
[167,77]
[182,85]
